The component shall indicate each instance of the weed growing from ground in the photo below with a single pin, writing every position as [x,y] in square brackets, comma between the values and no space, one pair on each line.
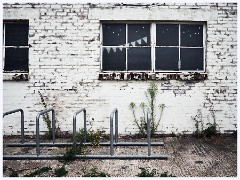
[146,173]
[94,172]
[60,172]
[141,123]
[38,172]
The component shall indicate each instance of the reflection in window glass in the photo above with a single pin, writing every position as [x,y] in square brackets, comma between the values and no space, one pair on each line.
[139,58]
[191,58]
[167,34]
[114,59]
[167,58]
[114,34]
[16,34]
[192,35]
[17,59]
[139,34]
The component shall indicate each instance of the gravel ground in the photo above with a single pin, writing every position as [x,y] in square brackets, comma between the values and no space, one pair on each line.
[187,157]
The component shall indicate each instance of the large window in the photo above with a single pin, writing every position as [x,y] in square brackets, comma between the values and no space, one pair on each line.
[15,46]
[158,47]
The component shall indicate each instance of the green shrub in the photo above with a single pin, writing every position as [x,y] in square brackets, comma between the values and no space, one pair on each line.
[165,174]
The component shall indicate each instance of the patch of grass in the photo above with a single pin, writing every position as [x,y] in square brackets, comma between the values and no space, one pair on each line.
[60,172]
[95,173]
[38,172]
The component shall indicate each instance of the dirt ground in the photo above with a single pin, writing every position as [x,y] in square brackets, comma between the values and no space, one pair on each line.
[188,156]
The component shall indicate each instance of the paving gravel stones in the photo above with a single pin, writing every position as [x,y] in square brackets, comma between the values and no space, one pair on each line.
[188,157]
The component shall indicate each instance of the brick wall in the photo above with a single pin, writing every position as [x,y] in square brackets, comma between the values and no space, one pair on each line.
[64,65]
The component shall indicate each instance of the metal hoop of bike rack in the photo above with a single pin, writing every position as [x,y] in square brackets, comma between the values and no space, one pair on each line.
[22,121]
[113,141]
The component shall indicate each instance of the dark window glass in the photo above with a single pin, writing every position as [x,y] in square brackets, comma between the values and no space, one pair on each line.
[16,59]
[16,34]
[192,35]
[139,58]
[167,34]
[114,59]
[139,34]
[191,58]
[114,34]
[167,58]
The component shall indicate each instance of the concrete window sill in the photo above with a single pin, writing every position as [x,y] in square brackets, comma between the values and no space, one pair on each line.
[191,76]
[18,76]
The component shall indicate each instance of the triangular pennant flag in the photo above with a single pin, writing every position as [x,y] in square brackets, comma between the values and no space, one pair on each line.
[120,48]
[133,43]
[139,41]
[145,39]
[108,49]
[114,49]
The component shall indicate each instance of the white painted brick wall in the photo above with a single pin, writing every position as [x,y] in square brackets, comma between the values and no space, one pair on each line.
[64,64]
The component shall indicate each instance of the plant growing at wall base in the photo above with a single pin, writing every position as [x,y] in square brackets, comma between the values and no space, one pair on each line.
[141,123]
[61,171]
[46,116]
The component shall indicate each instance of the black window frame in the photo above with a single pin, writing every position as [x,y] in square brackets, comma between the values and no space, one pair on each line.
[22,49]
[153,46]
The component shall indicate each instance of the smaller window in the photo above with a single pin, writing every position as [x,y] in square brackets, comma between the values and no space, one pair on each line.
[15,46]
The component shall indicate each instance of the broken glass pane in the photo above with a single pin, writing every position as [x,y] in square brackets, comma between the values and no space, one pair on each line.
[16,59]
[167,58]
[192,35]
[167,34]
[139,58]
[114,34]
[114,59]
[191,58]
[16,34]
[139,34]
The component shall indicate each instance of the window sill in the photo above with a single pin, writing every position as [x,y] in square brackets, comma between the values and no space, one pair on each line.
[18,76]
[191,76]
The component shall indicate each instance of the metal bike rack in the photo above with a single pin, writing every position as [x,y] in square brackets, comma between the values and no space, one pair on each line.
[22,121]
[113,141]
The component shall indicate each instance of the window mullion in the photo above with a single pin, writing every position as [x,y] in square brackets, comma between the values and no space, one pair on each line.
[153,45]
[127,46]
[179,49]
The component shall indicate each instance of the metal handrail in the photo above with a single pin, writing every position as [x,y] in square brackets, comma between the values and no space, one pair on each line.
[37,128]
[22,121]
[74,125]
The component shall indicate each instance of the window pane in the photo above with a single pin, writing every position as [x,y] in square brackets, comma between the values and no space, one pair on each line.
[16,34]
[16,59]
[114,59]
[167,58]
[139,58]
[167,34]
[191,58]
[139,34]
[192,35]
[114,34]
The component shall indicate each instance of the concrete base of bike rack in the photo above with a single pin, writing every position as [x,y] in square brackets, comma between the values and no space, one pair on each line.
[51,157]
[87,144]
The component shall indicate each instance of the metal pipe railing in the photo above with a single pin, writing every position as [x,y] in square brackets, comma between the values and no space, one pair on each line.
[114,114]
[37,128]
[22,121]
[148,134]
[74,126]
